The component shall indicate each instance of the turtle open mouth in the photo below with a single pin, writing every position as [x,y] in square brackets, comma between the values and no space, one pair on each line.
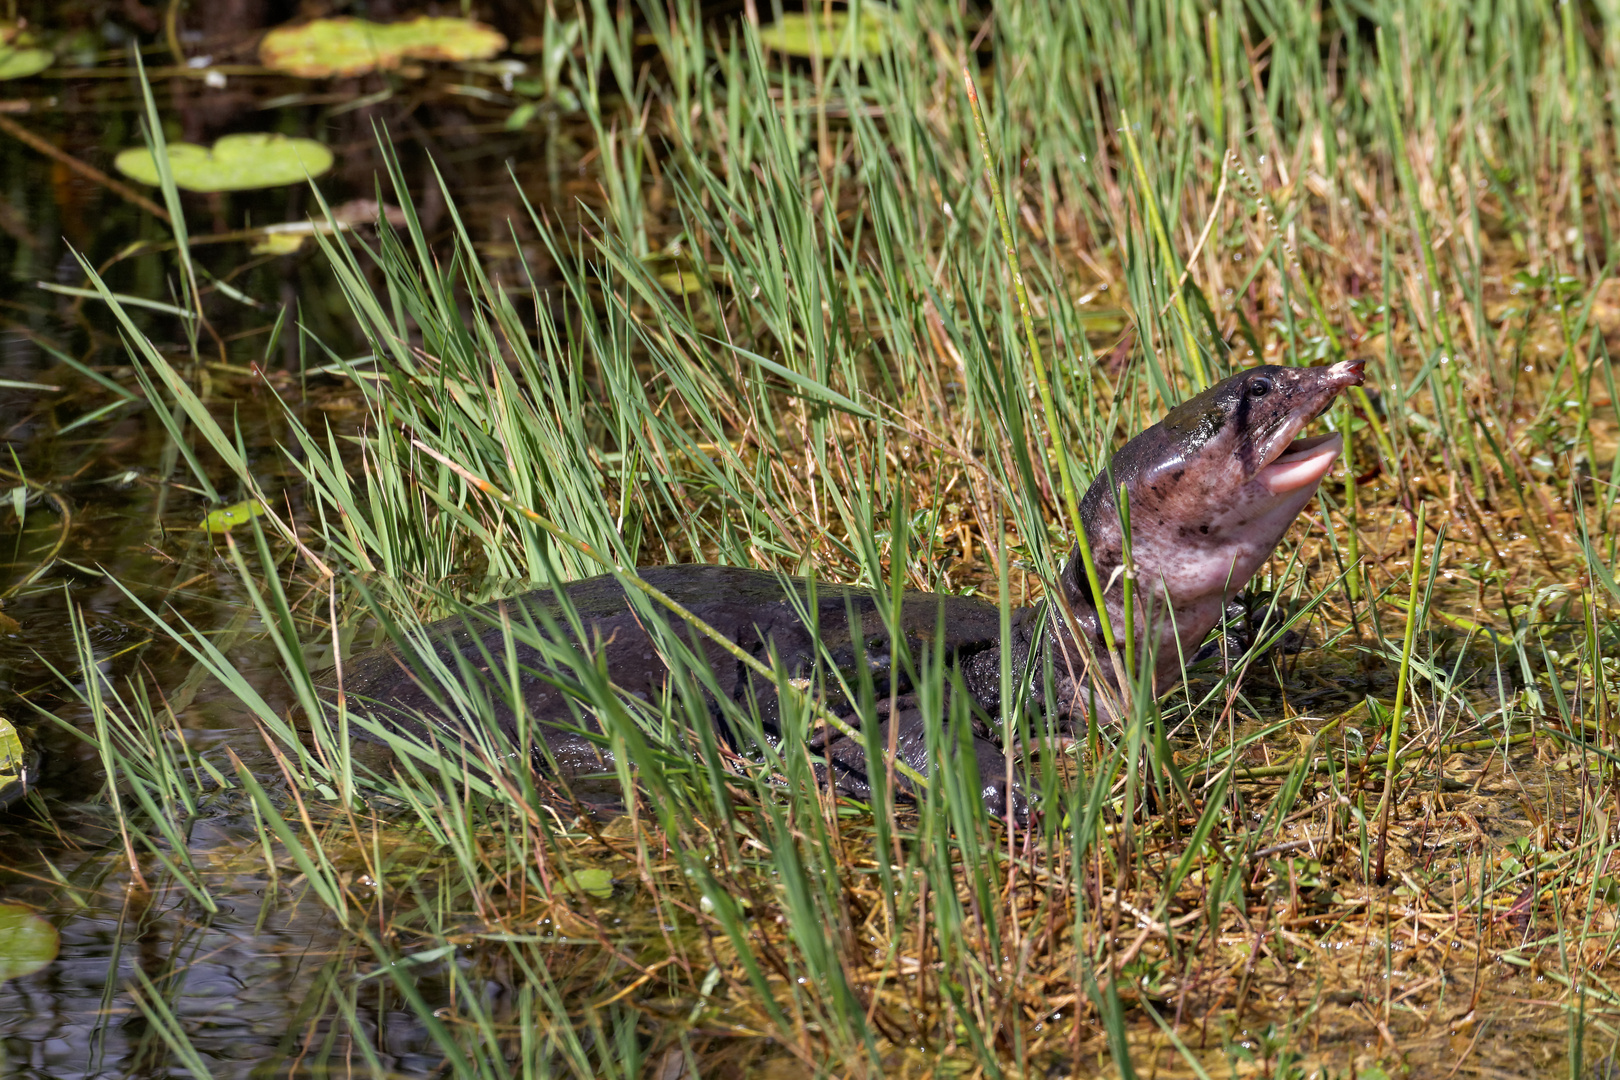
[1302,464]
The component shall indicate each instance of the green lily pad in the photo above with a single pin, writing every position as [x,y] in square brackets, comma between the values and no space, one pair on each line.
[680,275]
[21,63]
[227,518]
[348,46]
[235,163]
[792,34]
[27,942]
[278,244]
[14,761]
[681,282]
[593,881]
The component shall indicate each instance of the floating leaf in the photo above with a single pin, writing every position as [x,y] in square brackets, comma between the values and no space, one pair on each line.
[1103,320]
[281,243]
[521,115]
[792,34]
[592,881]
[21,63]
[27,942]
[349,46]
[227,518]
[681,282]
[235,163]
[680,276]
[13,760]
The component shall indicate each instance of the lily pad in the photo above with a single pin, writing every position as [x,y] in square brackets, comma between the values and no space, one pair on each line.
[21,63]
[680,275]
[278,244]
[27,942]
[235,163]
[227,518]
[792,34]
[592,881]
[349,46]
[14,761]
[681,282]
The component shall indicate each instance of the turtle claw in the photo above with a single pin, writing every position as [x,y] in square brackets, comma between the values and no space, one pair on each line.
[1001,791]
[1010,804]
[1003,798]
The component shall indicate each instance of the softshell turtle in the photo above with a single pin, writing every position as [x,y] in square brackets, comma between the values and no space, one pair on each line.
[1211,489]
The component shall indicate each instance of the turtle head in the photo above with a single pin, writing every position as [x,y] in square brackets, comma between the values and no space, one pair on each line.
[1212,487]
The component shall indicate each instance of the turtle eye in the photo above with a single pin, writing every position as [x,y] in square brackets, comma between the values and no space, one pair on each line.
[1259,387]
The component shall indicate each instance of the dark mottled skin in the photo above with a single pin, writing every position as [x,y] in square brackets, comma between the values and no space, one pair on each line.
[1198,535]
[751,608]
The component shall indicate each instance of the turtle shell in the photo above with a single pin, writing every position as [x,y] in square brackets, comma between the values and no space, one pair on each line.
[463,674]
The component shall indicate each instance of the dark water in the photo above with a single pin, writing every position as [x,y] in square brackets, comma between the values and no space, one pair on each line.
[251,982]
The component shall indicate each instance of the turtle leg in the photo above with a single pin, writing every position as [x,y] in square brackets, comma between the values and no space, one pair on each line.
[908,727]
[1236,634]
[1245,624]
[578,765]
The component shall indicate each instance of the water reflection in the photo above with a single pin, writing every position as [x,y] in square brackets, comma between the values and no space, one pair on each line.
[269,982]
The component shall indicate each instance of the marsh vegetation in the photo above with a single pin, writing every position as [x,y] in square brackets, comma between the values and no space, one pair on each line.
[768,317]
